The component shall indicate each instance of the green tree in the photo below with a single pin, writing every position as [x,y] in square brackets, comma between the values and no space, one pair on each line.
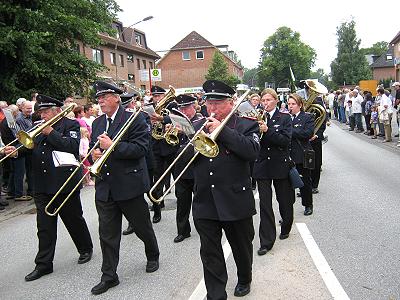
[38,45]
[378,48]
[280,50]
[350,66]
[248,76]
[218,70]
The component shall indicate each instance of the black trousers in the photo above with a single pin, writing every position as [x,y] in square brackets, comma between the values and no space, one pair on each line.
[285,197]
[240,236]
[110,221]
[183,193]
[161,163]
[306,190]
[316,172]
[72,216]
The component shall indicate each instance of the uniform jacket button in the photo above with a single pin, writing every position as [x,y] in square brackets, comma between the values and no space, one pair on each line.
[212,185]
[108,174]
[211,173]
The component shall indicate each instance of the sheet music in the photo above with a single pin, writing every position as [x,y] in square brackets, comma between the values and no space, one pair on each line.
[182,122]
[64,159]
[247,110]
[149,109]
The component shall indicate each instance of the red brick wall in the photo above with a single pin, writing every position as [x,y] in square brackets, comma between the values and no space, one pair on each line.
[383,73]
[188,73]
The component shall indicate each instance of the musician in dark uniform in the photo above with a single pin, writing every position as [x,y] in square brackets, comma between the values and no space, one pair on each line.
[223,198]
[124,180]
[272,166]
[302,131]
[63,136]
[184,186]
[163,153]
[316,140]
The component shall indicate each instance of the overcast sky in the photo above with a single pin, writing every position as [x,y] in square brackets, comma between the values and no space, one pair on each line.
[245,27]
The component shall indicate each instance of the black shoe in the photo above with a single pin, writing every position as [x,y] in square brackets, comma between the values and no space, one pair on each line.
[128,230]
[242,289]
[283,236]
[308,210]
[85,257]
[156,218]
[37,273]
[315,191]
[152,266]
[396,135]
[4,203]
[103,286]
[262,250]
[180,237]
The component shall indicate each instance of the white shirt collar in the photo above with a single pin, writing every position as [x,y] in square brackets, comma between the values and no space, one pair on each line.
[271,113]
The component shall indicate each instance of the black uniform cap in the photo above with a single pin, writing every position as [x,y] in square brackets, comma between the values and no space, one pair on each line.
[184,100]
[127,98]
[156,90]
[47,102]
[217,90]
[102,88]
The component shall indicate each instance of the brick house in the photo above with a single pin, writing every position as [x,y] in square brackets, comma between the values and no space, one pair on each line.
[387,66]
[124,56]
[186,64]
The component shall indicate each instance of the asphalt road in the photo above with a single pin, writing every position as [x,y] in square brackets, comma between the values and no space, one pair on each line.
[355,225]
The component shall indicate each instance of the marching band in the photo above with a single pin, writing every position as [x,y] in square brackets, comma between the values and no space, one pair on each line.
[212,150]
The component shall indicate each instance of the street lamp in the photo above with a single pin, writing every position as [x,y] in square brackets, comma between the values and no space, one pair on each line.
[122,34]
[252,79]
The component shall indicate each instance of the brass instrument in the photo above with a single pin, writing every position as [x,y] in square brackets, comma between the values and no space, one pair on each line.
[203,144]
[26,138]
[171,136]
[158,128]
[315,88]
[94,169]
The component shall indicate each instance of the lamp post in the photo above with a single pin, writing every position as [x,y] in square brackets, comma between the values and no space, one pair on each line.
[252,79]
[121,36]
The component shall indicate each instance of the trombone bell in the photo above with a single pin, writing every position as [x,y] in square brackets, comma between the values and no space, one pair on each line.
[25,139]
[205,145]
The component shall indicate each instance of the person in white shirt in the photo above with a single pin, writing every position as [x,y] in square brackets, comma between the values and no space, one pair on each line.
[331,98]
[357,110]
[88,117]
[385,114]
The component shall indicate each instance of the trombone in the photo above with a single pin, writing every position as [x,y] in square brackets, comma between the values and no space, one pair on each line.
[94,169]
[26,138]
[203,144]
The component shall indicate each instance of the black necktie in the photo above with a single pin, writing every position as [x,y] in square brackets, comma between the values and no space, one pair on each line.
[109,124]
[268,117]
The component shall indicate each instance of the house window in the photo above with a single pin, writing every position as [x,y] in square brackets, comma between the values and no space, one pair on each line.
[389,57]
[138,63]
[121,60]
[151,64]
[129,58]
[131,77]
[144,64]
[200,54]
[112,58]
[97,56]
[138,39]
[185,55]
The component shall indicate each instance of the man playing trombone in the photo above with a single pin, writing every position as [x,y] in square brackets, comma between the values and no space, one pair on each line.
[122,181]
[62,136]
[184,187]
[223,198]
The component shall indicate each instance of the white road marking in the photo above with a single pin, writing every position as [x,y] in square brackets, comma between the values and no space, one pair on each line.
[322,265]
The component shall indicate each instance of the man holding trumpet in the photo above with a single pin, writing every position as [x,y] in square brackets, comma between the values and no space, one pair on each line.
[62,136]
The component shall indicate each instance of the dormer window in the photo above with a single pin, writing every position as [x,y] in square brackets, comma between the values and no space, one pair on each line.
[138,39]
[389,57]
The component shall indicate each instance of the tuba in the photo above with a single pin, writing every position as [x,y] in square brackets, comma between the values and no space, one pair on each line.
[158,129]
[315,88]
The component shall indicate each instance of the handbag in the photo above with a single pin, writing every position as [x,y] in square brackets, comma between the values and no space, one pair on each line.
[309,159]
[295,179]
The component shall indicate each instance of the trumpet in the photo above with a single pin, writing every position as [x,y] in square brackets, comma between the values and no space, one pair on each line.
[94,169]
[203,143]
[26,138]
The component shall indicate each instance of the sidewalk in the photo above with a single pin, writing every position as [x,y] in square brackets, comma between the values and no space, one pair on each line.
[16,208]
[379,141]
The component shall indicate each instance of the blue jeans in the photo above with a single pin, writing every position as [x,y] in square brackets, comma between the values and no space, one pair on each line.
[16,181]
[342,114]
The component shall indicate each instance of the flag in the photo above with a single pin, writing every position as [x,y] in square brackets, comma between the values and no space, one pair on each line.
[291,74]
